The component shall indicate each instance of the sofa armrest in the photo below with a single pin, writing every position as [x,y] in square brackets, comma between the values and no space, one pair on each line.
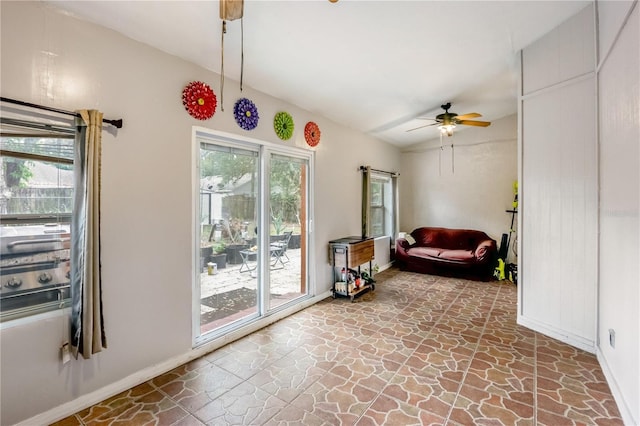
[486,251]
[402,245]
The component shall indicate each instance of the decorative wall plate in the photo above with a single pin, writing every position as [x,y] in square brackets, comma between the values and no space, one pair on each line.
[312,134]
[199,100]
[283,125]
[246,114]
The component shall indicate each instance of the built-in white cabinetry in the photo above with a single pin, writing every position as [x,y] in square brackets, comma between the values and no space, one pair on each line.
[579,156]
[559,185]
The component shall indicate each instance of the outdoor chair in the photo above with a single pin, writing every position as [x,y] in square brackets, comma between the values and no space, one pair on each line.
[282,245]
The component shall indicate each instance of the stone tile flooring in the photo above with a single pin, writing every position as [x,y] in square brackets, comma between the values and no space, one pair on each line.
[419,350]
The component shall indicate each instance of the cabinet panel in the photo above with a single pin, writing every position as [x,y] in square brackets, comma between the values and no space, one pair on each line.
[357,253]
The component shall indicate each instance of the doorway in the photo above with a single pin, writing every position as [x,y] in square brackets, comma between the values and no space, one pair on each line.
[252,232]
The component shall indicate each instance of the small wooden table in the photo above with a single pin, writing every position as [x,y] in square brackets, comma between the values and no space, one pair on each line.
[350,253]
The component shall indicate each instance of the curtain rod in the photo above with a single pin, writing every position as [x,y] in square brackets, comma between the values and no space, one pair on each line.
[117,123]
[363,168]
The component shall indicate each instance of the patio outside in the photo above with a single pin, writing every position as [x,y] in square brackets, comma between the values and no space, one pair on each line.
[229,294]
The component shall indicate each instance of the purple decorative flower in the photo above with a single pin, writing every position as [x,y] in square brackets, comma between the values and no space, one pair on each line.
[246,114]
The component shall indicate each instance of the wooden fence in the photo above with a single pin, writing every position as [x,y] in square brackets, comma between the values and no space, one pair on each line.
[36,201]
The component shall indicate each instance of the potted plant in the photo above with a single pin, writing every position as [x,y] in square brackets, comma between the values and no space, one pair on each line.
[232,230]
[219,256]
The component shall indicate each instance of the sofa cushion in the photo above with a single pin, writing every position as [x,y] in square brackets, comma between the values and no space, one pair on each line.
[424,251]
[461,255]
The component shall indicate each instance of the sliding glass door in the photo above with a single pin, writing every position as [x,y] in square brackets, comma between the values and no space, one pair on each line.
[288,230]
[252,232]
[228,190]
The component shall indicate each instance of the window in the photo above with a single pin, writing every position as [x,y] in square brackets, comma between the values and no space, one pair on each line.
[377,207]
[36,203]
[382,212]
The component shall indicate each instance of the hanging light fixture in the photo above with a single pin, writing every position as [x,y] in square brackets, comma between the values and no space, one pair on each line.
[447,125]
[447,129]
[231,10]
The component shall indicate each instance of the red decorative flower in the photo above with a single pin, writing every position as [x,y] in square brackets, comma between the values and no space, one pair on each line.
[312,133]
[199,100]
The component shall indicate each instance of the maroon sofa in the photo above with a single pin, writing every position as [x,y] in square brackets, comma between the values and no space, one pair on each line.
[462,253]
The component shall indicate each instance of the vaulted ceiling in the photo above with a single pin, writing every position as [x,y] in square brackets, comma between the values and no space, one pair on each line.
[374,66]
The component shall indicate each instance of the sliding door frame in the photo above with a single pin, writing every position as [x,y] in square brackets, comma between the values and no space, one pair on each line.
[265,151]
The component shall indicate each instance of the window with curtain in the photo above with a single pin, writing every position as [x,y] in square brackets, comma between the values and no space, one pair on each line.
[381,207]
[36,204]
[379,203]
[50,207]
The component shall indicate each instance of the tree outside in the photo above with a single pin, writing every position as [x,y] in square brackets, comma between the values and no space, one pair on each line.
[236,174]
[35,186]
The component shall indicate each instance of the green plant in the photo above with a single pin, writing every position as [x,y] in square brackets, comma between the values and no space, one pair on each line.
[219,247]
[278,224]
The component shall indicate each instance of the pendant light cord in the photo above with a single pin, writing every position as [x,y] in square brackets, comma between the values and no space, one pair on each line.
[224,30]
[241,51]
[452,161]
[440,157]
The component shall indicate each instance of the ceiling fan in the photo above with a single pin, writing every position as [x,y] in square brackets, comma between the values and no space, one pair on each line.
[449,120]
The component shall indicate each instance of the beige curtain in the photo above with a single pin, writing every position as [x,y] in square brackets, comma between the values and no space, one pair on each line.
[87,325]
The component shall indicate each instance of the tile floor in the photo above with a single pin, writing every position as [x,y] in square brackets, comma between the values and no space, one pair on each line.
[419,350]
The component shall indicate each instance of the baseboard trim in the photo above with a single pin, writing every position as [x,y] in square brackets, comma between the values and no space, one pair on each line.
[625,411]
[555,333]
[139,377]
[385,267]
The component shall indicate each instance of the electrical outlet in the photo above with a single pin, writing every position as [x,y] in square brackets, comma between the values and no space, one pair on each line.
[64,353]
[612,338]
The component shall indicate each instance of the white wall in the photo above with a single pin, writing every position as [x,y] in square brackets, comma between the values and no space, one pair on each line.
[50,58]
[475,194]
[559,184]
[619,136]
[580,190]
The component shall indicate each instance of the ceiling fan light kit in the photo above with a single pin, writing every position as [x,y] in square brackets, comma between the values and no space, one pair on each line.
[446,122]
[449,120]
[447,129]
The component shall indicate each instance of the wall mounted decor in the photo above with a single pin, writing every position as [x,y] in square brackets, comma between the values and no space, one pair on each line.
[283,125]
[246,114]
[312,134]
[199,100]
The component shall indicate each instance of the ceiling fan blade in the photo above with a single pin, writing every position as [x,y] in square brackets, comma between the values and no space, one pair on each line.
[421,127]
[473,123]
[469,115]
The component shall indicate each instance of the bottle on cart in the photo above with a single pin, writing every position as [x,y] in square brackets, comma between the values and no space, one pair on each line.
[343,275]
